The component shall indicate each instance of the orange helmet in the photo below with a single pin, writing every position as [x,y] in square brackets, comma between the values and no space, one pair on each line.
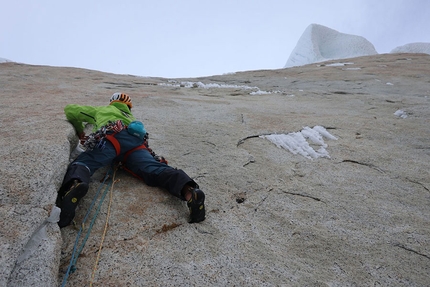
[122,98]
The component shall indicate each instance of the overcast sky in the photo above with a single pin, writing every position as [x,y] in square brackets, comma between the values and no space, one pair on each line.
[191,38]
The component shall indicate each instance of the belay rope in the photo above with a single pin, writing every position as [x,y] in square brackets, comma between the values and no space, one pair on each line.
[104,230]
[78,249]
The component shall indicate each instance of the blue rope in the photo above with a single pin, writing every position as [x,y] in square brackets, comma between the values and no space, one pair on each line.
[75,254]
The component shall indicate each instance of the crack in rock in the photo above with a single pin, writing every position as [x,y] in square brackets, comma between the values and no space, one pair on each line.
[241,141]
[365,164]
[417,182]
[261,202]
[303,195]
[410,250]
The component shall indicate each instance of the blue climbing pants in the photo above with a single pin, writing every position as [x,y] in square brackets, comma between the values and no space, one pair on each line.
[84,166]
[142,164]
[100,157]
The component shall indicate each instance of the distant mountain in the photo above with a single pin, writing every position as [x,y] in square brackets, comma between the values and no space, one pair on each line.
[3,60]
[319,43]
[413,48]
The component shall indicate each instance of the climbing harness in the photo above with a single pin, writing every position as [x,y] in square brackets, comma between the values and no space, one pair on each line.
[108,132]
[98,138]
[77,249]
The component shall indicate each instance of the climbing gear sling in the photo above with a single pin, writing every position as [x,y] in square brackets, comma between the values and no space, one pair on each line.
[98,138]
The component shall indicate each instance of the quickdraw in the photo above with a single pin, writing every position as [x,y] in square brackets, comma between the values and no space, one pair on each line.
[97,139]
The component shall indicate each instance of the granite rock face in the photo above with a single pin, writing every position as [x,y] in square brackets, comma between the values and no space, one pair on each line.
[358,216]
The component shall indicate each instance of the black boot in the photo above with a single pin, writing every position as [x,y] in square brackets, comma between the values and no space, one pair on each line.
[75,186]
[69,202]
[196,205]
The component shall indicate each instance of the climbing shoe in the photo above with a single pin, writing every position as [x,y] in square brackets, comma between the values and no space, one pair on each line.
[69,201]
[196,205]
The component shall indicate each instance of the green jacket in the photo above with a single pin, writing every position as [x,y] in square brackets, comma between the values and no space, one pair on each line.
[77,115]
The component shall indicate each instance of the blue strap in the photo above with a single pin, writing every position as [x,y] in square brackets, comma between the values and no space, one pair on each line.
[76,252]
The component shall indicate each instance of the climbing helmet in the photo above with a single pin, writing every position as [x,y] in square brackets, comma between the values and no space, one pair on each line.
[123,98]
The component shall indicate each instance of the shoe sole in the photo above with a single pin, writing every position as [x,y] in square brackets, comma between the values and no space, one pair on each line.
[197,210]
[69,202]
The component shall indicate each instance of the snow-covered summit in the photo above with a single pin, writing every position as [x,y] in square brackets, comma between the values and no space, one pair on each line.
[319,43]
[3,60]
[413,48]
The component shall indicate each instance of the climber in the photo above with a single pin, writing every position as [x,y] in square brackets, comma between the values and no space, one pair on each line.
[117,136]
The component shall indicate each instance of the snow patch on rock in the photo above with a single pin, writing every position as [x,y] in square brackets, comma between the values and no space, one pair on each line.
[300,142]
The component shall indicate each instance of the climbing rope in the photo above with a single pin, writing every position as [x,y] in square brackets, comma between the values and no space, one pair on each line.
[105,229]
[77,250]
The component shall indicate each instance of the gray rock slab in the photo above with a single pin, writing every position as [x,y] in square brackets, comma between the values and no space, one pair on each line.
[358,217]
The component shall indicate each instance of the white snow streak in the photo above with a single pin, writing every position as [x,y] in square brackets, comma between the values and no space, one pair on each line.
[300,142]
